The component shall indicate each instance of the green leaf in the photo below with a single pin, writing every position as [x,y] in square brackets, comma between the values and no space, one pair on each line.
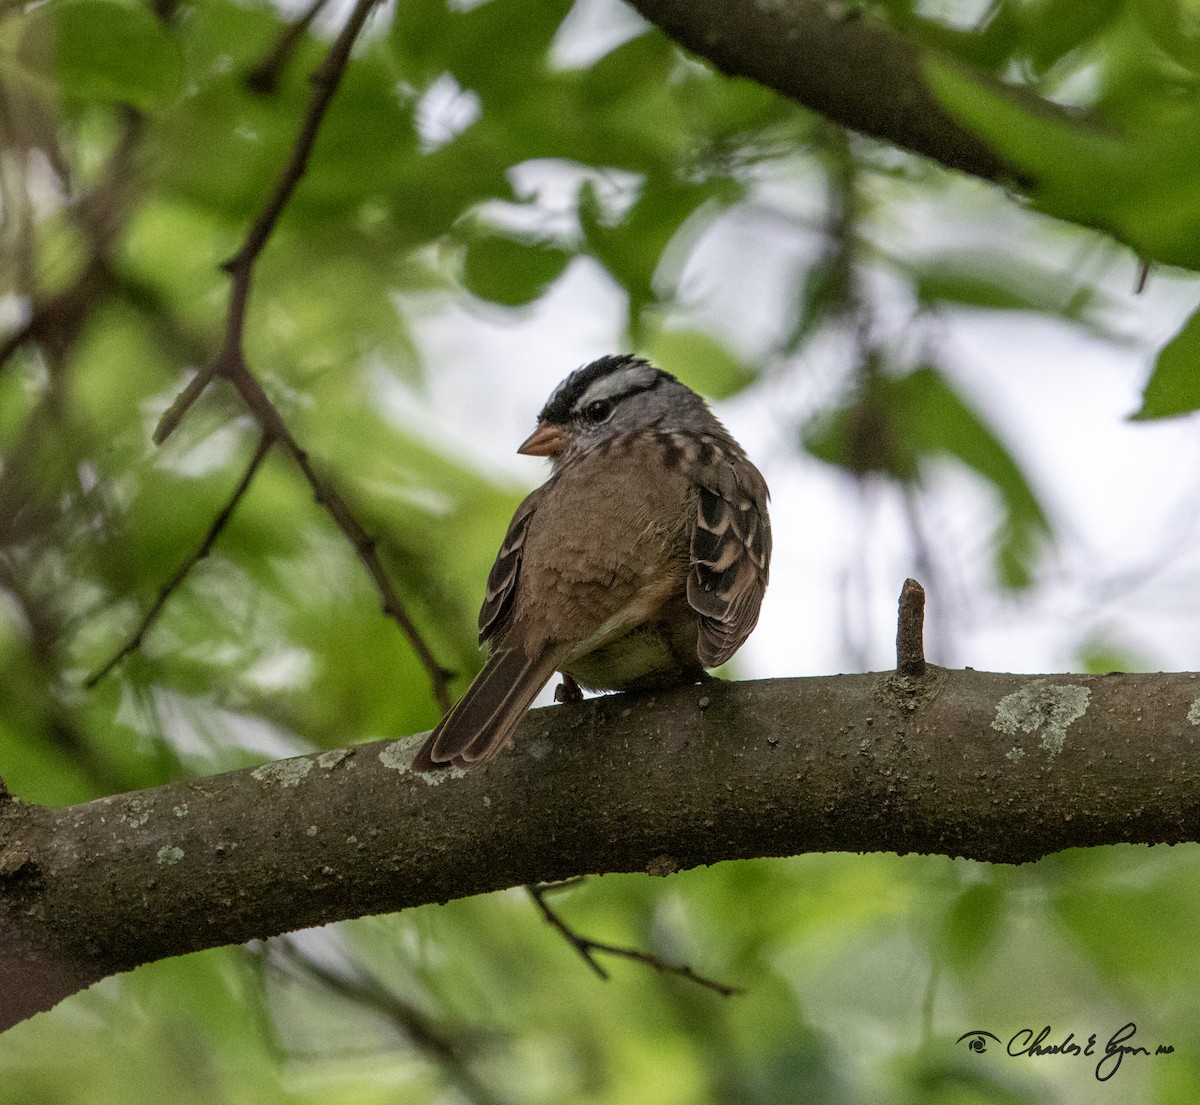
[1175,27]
[1053,28]
[418,39]
[1149,162]
[511,271]
[1104,902]
[997,282]
[971,924]
[432,191]
[896,425]
[700,361]
[495,48]
[632,248]
[1100,656]
[221,147]
[364,140]
[106,51]
[1174,385]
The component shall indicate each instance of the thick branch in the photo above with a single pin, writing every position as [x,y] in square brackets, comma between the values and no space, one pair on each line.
[962,763]
[835,60]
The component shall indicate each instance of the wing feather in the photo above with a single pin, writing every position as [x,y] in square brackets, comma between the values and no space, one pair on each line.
[731,555]
[502,580]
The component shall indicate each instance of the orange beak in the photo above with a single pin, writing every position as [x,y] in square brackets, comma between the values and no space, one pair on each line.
[547,440]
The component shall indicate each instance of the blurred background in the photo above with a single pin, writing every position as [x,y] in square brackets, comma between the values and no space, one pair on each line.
[936,381]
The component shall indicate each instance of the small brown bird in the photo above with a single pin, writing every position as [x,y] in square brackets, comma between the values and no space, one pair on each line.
[640,562]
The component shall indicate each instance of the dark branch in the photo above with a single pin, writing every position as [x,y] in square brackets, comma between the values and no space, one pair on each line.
[364,989]
[365,547]
[587,947]
[56,321]
[134,640]
[829,57]
[240,266]
[230,362]
[910,630]
[325,83]
[1003,768]
[264,77]
[14,339]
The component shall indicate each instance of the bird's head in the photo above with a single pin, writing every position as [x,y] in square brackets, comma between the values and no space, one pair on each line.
[608,398]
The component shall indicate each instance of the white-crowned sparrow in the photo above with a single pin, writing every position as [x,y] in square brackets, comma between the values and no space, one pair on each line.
[640,562]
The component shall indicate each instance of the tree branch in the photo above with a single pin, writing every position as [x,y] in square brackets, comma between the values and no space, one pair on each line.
[369,992]
[830,57]
[587,948]
[240,266]
[1006,768]
[230,362]
[264,77]
[365,546]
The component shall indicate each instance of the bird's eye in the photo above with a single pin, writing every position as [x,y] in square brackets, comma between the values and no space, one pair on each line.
[598,411]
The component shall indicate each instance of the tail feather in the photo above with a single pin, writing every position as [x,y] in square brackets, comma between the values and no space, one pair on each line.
[479,725]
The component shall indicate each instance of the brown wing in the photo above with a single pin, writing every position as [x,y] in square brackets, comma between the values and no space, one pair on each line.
[502,579]
[731,556]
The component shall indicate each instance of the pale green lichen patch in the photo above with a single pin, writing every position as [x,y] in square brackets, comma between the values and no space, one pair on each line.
[169,854]
[1194,711]
[181,810]
[284,773]
[311,830]
[1015,753]
[137,812]
[398,755]
[327,761]
[1048,708]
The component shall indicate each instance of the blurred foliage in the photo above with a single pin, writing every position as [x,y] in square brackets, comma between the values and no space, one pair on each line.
[139,143]
[897,426]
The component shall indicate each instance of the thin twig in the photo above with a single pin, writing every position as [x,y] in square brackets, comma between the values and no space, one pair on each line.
[365,546]
[230,362]
[264,77]
[1143,275]
[134,640]
[366,990]
[240,266]
[14,339]
[587,947]
[57,321]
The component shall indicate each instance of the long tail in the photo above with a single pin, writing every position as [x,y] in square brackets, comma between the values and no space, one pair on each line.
[482,721]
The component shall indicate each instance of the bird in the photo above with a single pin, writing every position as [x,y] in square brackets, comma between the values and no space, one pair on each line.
[639,563]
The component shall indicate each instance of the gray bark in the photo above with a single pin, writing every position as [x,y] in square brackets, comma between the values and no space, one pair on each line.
[835,59]
[1004,768]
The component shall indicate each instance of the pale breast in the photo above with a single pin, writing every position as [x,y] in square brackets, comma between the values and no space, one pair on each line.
[608,545]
